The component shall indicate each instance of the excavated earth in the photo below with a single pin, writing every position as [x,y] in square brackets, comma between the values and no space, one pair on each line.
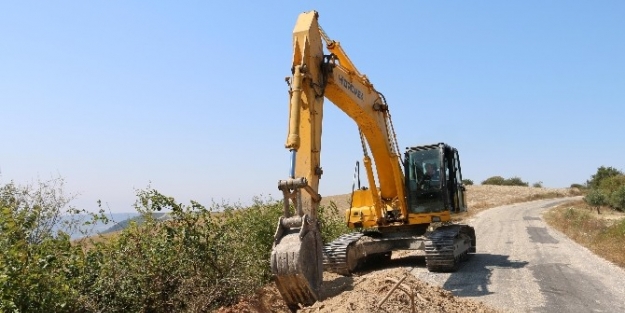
[366,291]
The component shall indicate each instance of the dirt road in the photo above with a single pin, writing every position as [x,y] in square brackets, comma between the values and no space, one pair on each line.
[522,265]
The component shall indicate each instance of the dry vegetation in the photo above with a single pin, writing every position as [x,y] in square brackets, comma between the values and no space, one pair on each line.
[480,198]
[603,234]
[362,293]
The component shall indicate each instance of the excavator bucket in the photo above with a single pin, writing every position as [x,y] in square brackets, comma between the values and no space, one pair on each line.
[296,261]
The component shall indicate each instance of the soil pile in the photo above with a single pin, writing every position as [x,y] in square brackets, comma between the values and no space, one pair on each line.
[367,293]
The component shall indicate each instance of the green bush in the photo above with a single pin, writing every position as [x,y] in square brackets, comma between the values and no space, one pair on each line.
[35,277]
[495,180]
[611,184]
[199,260]
[515,181]
[617,199]
[196,261]
[332,223]
[601,174]
[467,182]
[500,181]
[595,198]
[40,270]
[607,187]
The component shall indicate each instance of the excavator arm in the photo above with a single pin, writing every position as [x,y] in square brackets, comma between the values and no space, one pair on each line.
[317,76]
[297,252]
[355,95]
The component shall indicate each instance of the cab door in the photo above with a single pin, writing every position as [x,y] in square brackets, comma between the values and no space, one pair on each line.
[461,205]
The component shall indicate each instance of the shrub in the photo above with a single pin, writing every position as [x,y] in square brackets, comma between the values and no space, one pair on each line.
[607,187]
[40,270]
[595,198]
[35,277]
[611,184]
[196,261]
[537,184]
[515,181]
[601,174]
[617,199]
[199,260]
[495,180]
[467,182]
[498,180]
[332,223]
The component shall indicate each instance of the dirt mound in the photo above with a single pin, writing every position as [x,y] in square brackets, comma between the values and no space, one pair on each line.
[366,292]
[363,294]
[266,300]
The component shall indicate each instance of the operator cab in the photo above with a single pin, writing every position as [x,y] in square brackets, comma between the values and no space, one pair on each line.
[433,179]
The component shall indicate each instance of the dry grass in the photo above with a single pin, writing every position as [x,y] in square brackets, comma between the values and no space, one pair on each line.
[483,197]
[603,234]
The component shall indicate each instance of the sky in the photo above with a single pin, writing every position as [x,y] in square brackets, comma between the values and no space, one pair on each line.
[189,97]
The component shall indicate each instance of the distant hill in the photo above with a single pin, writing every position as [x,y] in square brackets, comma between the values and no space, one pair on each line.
[138,219]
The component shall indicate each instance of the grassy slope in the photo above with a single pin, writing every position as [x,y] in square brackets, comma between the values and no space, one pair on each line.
[603,234]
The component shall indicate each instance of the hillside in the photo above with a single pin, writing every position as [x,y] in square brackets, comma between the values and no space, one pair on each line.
[362,292]
[480,197]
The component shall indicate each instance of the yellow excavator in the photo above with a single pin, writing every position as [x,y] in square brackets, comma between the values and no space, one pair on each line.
[411,207]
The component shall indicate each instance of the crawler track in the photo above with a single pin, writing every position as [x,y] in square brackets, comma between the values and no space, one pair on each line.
[335,254]
[446,246]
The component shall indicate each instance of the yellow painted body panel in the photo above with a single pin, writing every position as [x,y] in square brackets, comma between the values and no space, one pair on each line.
[365,217]
[356,97]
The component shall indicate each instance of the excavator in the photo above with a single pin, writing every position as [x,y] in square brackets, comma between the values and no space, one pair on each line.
[410,207]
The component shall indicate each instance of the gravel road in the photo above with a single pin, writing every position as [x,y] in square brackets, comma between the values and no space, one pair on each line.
[522,265]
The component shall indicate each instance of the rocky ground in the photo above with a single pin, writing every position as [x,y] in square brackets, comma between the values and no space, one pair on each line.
[365,291]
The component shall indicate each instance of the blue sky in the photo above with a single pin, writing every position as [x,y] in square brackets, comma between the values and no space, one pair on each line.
[189,97]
